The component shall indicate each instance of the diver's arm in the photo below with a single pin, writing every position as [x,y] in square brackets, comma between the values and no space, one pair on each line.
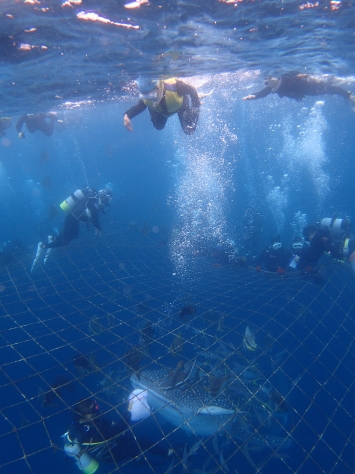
[131,113]
[259,95]
[185,89]
[92,205]
[136,110]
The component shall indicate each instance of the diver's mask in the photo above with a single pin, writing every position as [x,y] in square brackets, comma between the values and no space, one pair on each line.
[104,197]
[273,83]
[297,245]
[277,245]
[155,95]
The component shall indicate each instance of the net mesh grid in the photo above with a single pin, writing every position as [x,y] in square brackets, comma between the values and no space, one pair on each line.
[78,327]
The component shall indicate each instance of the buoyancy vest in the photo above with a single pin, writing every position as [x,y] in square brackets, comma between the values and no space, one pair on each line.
[171,101]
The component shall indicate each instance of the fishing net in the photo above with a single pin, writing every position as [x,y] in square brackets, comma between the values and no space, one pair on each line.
[245,371]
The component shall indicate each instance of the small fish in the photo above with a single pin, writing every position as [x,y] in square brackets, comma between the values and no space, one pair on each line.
[249,340]
[279,400]
[177,377]
[177,346]
[95,326]
[194,448]
[61,382]
[146,336]
[132,359]
[216,382]
[84,365]
[220,327]
[171,466]
[189,310]
[224,465]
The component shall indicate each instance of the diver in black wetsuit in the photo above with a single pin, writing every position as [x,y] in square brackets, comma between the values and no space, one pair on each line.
[330,235]
[92,439]
[298,250]
[273,257]
[297,86]
[43,122]
[82,206]
[86,211]
[319,242]
[165,98]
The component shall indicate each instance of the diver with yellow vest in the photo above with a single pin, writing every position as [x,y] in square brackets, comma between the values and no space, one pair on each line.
[81,206]
[165,98]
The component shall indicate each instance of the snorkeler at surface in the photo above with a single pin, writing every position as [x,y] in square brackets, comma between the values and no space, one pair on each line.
[297,86]
[165,98]
[44,122]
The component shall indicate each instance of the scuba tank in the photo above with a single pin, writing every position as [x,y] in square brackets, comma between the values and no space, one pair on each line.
[343,224]
[339,233]
[86,463]
[70,202]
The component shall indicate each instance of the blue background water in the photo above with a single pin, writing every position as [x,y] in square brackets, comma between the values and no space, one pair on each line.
[278,155]
[281,156]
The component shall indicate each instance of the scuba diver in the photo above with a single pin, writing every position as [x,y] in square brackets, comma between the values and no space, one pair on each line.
[165,98]
[273,257]
[43,122]
[92,438]
[82,206]
[330,235]
[297,251]
[297,86]
[5,123]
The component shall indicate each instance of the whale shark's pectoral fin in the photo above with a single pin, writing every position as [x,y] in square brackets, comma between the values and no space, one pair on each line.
[215,411]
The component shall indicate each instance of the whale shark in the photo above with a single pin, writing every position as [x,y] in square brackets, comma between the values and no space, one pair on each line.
[190,407]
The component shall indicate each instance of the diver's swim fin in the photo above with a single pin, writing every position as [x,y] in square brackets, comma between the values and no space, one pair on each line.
[202,95]
[39,252]
[50,239]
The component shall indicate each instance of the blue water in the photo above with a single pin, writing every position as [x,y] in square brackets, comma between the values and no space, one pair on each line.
[177,200]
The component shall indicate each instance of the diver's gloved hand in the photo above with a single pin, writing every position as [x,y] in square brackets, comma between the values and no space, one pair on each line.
[281,271]
[258,268]
[21,135]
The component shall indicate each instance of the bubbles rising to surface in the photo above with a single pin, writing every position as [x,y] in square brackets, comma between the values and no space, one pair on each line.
[277,200]
[204,178]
